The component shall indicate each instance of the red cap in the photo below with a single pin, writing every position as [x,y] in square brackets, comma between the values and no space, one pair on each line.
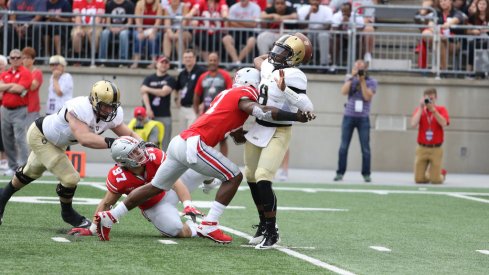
[140,111]
[163,59]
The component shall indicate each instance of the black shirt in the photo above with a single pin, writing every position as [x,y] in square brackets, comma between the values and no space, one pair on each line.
[186,84]
[126,8]
[160,105]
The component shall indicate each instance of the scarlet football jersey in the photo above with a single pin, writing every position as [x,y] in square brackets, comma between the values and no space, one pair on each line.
[222,117]
[122,181]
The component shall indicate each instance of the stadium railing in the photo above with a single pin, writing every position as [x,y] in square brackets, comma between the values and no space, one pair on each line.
[398,47]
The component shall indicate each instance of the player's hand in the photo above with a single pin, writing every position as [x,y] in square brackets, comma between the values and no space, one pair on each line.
[305,116]
[281,80]
[192,212]
[239,136]
[80,231]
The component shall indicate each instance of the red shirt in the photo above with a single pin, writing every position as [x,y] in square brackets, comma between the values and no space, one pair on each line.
[148,11]
[222,117]
[428,122]
[121,181]
[84,8]
[33,104]
[21,76]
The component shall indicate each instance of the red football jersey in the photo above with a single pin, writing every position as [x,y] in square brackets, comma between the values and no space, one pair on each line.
[222,117]
[122,181]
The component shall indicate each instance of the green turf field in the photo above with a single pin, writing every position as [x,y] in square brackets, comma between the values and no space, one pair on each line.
[325,229]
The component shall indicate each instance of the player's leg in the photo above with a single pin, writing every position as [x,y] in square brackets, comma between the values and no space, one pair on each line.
[165,217]
[270,161]
[251,157]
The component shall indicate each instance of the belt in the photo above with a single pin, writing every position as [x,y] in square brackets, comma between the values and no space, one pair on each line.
[39,123]
[271,124]
[430,145]
[15,108]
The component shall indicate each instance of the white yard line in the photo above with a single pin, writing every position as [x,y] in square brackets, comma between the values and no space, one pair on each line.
[293,253]
[380,248]
[167,242]
[60,240]
[461,196]
[485,252]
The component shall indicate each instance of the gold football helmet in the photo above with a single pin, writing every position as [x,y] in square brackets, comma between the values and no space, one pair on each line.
[287,51]
[105,99]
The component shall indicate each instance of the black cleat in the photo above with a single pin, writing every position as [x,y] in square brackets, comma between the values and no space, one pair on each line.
[260,231]
[76,220]
[270,239]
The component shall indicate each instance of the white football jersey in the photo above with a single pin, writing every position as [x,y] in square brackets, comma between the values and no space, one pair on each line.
[271,95]
[57,129]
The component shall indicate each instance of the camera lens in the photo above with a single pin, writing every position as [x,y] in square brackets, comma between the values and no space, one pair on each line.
[427,100]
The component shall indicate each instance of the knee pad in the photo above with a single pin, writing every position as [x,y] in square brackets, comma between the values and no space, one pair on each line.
[65,192]
[19,173]
[262,174]
[70,180]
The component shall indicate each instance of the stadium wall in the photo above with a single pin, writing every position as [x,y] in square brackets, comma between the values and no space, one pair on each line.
[315,145]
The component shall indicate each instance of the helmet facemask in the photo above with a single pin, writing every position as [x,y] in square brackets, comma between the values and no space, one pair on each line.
[103,113]
[280,55]
[287,51]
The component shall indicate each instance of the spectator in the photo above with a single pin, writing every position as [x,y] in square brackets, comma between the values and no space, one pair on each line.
[147,31]
[479,18]
[149,130]
[14,84]
[210,84]
[176,8]
[3,157]
[156,92]
[323,16]
[208,37]
[447,17]
[187,79]
[119,26]
[52,33]
[24,26]
[233,41]
[343,21]
[431,120]
[86,23]
[360,89]
[462,6]
[274,15]
[60,87]
[33,104]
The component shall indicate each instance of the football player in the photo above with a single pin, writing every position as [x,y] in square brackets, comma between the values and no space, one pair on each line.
[193,149]
[268,140]
[81,120]
[136,166]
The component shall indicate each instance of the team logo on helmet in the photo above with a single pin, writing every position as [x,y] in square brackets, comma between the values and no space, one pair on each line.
[105,99]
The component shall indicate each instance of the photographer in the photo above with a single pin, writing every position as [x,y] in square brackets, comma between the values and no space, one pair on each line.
[360,89]
[431,120]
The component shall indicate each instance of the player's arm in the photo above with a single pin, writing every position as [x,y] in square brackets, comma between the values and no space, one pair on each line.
[299,100]
[268,112]
[82,133]
[123,130]
[258,60]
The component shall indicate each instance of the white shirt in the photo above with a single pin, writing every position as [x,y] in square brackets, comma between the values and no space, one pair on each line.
[55,102]
[57,130]
[324,15]
[338,19]
[250,12]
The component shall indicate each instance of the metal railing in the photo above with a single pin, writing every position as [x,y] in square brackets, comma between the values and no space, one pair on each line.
[395,44]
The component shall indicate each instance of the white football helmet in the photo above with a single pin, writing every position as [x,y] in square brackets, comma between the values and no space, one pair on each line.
[247,77]
[129,152]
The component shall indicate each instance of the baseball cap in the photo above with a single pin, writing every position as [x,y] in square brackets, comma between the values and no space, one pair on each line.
[140,111]
[163,59]
[57,59]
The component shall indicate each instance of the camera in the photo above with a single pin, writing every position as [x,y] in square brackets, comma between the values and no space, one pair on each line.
[361,72]
[427,100]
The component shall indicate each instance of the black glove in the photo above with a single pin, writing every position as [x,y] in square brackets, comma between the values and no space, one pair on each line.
[109,141]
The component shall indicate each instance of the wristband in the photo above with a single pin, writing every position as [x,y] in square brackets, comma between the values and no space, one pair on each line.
[109,141]
[286,116]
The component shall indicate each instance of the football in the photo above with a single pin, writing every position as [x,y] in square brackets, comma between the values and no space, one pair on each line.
[307,47]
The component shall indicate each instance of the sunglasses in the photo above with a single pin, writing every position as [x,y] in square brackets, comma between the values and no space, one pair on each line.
[15,57]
